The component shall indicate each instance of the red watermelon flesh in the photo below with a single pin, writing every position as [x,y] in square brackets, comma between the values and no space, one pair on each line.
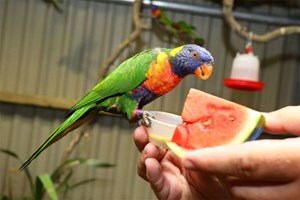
[210,121]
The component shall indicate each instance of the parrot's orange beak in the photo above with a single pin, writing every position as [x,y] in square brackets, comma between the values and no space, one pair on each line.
[204,71]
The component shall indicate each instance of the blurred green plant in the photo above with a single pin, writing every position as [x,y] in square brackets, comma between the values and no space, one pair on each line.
[56,4]
[56,183]
[181,30]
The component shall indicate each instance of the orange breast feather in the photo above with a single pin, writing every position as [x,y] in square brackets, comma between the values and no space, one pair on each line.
[160,78]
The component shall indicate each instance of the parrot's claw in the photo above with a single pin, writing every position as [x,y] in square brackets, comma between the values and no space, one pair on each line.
[145,118]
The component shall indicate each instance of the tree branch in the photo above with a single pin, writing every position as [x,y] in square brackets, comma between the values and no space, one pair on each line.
[242,31]
[74,142]
[127,41]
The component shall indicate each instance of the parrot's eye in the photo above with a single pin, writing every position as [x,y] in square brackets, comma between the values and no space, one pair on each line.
[195,55]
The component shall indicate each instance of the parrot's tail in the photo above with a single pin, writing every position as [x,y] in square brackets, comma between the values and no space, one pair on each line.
[79,117]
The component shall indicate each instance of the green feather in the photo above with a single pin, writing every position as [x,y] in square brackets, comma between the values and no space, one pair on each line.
[127,76]
[61,131]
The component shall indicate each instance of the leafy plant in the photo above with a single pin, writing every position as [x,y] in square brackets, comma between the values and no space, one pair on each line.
[56,4]
[58,181]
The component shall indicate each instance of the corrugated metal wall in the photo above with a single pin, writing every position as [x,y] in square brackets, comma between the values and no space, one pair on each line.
[57,54]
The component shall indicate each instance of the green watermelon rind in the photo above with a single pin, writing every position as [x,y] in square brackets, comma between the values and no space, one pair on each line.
[178,150]
[255,121]
[251,130]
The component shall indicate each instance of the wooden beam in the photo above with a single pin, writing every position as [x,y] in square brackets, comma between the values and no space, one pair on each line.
[36,100]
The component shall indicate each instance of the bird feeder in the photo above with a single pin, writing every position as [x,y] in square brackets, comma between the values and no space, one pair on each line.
[245,71]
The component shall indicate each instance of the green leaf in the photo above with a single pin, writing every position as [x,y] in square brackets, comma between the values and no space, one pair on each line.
[27,173]
[10,153]
[44,182]
[82,183]
[88,161]
[80,161]
[4,197]
[64,184]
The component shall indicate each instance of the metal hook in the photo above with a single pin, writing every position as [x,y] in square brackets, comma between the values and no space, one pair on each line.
[248,46]
[250,36]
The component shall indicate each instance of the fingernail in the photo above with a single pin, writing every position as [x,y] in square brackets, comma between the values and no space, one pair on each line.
[150,150]
[188,164]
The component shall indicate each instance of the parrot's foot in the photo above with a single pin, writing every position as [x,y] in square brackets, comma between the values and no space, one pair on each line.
[144,118]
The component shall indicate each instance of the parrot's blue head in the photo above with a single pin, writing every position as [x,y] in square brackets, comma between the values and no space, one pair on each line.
[192,59]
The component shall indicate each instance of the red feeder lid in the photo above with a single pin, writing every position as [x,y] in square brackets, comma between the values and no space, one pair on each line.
[244,84]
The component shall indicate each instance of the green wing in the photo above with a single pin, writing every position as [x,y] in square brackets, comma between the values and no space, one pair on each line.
[165,20]
[127,76]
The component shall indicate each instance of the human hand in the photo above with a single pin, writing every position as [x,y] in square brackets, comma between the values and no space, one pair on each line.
[265,169]
[167,176]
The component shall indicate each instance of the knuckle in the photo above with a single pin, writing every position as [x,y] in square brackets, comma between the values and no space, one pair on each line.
[139,171]
[142,173]
[244,166]
[141,168]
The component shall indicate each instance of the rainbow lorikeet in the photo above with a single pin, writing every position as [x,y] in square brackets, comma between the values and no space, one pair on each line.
[184,28]
[189,31]
[161,16]
[133,84]
[179,29]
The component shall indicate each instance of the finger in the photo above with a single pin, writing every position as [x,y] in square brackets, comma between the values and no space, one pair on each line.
[285,120]
[154,175]
[263,190]
[260,160]
[208,185]
[150,151]
[140,138]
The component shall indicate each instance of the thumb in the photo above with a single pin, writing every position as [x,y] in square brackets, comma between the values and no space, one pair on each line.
[250,161]
[284,120]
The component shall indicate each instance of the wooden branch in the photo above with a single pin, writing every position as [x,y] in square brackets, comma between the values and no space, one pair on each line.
[74,143]
[36,100]
[127,41]
[242,31]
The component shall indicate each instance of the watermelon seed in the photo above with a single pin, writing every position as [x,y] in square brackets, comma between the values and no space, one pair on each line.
[206,123]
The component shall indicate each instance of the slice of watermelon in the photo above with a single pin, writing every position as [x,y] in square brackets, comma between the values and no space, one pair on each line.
[211,121]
